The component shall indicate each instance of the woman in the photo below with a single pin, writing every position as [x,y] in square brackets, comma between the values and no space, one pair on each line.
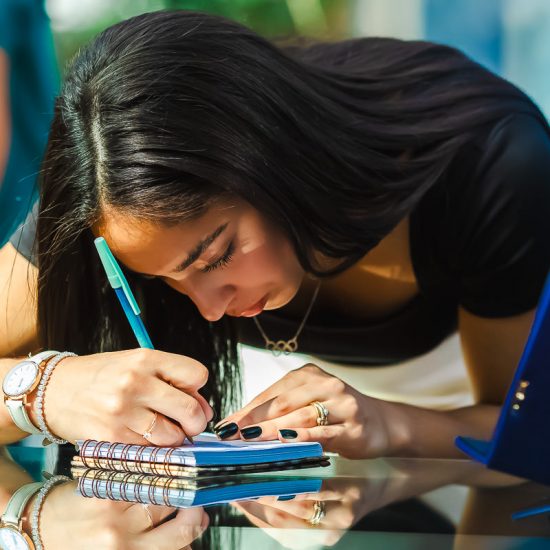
[230,177]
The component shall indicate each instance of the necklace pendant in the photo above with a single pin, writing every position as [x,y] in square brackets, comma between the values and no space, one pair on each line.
[282,346]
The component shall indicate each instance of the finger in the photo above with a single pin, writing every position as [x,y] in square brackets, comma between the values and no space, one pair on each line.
[300,509]
[175,404]
[254,520]
[287,402]
[305,417]
[140,517]
[206,408]
[183,372]
[325,435]
[272,517]
[187,526]
[291,380]
[163,432]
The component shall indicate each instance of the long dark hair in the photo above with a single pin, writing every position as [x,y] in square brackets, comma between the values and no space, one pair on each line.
[165,112]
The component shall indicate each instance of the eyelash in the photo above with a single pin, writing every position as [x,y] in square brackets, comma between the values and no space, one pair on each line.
[221,262]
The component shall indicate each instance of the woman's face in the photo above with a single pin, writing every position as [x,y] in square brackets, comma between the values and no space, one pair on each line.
[228,261]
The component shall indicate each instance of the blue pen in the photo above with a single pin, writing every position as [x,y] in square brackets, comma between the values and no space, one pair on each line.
[122,288]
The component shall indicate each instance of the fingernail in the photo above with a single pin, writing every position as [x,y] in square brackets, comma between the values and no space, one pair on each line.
[219,425]
[252,432]
[227,431]
[288,434]
[286,497]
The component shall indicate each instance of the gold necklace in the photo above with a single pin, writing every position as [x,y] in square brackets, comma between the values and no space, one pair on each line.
[287,346]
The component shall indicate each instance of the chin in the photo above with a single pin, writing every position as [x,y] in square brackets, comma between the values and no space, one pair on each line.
[281,300]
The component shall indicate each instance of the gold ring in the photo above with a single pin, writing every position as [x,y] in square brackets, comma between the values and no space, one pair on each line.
[322,413]
[319,512]
[149,431]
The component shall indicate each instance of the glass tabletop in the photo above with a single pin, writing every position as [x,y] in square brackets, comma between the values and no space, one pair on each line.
[382,503]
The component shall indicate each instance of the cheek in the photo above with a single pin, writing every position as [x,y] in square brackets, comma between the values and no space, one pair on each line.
[269,261]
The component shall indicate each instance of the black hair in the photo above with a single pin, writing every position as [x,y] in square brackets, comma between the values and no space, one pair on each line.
[161,114]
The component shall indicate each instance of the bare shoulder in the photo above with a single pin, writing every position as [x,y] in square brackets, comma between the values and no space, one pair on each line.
[18,299]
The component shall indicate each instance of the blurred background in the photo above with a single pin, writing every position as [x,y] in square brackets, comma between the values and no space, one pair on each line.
[511,37]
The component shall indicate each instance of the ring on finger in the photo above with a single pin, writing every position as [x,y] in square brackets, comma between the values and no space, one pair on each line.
[322,413]
[319,512]
[148,433]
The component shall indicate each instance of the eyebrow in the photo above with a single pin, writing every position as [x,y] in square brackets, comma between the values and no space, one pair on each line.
[195,254]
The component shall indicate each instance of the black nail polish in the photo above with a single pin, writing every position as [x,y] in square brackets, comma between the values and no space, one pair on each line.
[286,497]
[219,425]
[227,430]
[252,432]
[288,434]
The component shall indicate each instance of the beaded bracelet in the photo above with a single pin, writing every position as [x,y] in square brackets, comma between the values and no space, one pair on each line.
[39,403]
[37,507]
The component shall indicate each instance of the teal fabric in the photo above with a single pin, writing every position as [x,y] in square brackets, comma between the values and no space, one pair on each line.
[26,39]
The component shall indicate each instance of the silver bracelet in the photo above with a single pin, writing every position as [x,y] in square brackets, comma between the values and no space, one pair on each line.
[37,507]
[39,403]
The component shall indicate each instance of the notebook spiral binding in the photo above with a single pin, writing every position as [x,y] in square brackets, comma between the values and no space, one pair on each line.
[144,465]
[102,481]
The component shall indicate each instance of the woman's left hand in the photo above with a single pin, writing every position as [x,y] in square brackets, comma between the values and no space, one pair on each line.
[358,426]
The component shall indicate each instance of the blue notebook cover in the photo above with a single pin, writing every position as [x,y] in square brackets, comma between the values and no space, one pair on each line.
[521,442]
[207,450]
[181,494]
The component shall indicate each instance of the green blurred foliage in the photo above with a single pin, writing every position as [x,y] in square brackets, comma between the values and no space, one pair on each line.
[324,19]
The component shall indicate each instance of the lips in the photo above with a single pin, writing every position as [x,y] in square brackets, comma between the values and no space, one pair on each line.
[254,310]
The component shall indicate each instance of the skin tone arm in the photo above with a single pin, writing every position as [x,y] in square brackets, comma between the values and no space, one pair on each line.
[5,118]
[110,396]
[18,334]
[361,426]
[492,349]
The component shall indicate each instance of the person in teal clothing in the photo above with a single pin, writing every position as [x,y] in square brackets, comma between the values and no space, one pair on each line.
[28,84]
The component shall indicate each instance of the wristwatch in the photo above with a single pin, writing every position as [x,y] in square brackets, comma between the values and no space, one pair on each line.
[12,535]
[18,383]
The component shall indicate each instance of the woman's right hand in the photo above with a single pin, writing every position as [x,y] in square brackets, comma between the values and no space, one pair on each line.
[113,397]
[68,521]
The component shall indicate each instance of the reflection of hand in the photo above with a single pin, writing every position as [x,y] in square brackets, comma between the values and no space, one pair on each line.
[113,397]
[343,501]
[358,426]
[72,522]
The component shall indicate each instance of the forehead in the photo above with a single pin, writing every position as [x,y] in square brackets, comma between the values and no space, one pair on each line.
[152,247]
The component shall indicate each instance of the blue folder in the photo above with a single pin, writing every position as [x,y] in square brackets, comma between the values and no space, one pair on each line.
[521,442]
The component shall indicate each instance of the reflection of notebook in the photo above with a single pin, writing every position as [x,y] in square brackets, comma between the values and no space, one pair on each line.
[521,441]
[184,493]
[207,455]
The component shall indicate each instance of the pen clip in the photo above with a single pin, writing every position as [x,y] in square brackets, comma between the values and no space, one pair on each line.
[114,273]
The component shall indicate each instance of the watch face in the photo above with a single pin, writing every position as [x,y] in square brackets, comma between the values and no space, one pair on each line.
[20,378]
[11,539]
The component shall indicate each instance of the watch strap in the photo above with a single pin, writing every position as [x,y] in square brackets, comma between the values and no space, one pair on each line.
[18,501]
[20,417]
[42,356]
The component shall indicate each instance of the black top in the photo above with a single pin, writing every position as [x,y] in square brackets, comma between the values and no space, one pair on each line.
[479,238]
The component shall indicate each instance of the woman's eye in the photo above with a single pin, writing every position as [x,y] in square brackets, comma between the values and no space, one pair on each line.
[223,261]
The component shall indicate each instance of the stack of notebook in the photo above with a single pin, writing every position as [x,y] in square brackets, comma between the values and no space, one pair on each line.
[189,475]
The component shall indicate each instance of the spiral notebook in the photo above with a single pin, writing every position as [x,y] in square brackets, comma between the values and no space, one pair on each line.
[180,493]
[206,455]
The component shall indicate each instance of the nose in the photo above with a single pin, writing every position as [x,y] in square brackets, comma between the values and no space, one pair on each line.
[211,302]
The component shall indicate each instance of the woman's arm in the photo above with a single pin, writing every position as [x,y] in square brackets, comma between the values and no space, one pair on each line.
[492,349]
[18,328]
[5,117]
[18,291]
[360,426]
